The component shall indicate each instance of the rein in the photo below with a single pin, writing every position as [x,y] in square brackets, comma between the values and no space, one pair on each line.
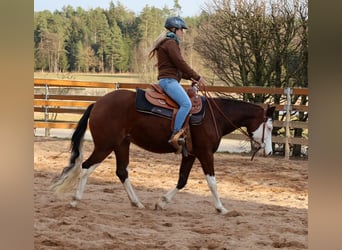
[211,99]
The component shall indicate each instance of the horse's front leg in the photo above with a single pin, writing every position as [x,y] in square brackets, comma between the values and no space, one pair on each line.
[211,180]
[207,163]
[131,194]
[184,172]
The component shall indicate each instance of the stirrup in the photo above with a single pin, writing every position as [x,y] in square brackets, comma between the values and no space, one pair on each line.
[176,141]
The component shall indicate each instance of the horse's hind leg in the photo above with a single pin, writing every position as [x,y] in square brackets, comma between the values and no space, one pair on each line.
[122,161]
[88,167]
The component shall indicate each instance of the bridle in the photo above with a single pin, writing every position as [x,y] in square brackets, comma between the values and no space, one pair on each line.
[250,137]
[262,144]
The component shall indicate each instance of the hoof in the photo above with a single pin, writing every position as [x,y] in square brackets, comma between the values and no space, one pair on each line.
[233,213]
[222,210]
[138,205]
[161,204]
[74,202]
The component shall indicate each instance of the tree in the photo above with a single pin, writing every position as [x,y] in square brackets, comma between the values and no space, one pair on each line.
[150,25]
[187,45]
[46,41]
[257,43]
[101,37]
[50,34]
[248,43]
[117,56]
[124,31]
[177,9]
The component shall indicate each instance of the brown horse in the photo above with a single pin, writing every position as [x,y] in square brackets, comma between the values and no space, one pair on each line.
[115,123]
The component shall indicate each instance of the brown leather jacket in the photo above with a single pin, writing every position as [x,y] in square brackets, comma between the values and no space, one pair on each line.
[171,63]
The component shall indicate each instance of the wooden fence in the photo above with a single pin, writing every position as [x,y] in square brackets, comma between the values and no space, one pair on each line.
[48,100]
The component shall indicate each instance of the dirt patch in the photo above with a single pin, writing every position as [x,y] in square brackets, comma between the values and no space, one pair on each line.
[267,199]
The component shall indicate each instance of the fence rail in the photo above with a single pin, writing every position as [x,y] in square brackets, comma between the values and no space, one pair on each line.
[55,103]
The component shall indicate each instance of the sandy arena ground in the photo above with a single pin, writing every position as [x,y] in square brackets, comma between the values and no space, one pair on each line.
[267,197]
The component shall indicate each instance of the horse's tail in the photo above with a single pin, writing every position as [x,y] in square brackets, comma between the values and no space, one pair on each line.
[69,176]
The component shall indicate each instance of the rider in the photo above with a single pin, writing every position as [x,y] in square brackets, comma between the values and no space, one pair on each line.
[171,69]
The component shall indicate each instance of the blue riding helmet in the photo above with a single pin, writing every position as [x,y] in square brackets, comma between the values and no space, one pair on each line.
[175,22]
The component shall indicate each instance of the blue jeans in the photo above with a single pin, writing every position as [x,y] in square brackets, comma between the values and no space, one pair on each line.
[173,89]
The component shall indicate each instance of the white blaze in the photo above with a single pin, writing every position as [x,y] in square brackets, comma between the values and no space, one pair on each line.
[266,132]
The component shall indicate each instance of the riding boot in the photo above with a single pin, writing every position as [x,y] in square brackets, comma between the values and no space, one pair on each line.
[175,140]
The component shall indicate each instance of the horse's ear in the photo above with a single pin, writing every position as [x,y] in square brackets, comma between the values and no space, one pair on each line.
[270,111]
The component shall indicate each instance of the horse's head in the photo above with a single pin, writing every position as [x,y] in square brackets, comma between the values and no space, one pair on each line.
[263,134]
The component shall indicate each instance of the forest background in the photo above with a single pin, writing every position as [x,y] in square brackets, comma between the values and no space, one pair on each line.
[231,42]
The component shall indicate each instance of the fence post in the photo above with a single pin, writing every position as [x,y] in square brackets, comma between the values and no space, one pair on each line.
[46,110]
[288,91]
